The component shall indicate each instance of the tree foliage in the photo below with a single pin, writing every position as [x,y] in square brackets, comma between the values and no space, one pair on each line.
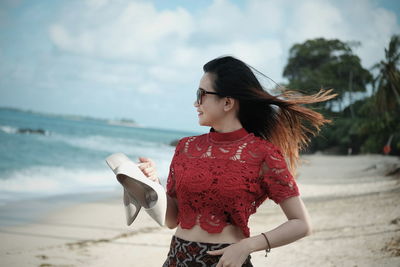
[321,63]
[387,83]
[366,125]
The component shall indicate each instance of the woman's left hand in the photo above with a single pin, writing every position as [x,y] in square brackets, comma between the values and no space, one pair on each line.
[232,256]
[148,167]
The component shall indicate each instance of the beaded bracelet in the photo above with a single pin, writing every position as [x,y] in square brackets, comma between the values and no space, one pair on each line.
[269,246]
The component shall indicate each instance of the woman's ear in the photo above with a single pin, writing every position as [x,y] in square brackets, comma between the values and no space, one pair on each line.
[229,103]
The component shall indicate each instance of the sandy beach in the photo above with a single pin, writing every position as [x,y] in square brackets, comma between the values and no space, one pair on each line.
[354,208]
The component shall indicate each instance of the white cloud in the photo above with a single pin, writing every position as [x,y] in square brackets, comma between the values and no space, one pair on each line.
[359,20]
[134,30]
[218,21]
[137,50]
[149,87]
[96,3]
[374,32]
[313,19]
[266,16]
[261,32]
[61,38]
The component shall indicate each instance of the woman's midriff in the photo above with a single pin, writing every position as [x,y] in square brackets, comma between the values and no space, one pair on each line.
[230,234]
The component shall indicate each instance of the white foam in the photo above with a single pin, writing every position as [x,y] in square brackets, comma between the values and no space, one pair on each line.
[48,181]
[114,144]
[8,129]
[14,130]
[56,179]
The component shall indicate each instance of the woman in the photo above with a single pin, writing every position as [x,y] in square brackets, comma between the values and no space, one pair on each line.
[217,180]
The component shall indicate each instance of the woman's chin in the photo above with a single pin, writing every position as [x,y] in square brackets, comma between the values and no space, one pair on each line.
[203,123]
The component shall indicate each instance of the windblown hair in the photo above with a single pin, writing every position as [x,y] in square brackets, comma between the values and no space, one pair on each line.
[280,119]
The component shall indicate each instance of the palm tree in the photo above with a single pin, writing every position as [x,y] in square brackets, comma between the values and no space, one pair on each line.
[388,79]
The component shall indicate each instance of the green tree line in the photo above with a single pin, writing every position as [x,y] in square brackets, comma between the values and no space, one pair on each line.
[369,123]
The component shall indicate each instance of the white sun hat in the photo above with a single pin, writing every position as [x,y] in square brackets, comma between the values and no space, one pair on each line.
[139,191]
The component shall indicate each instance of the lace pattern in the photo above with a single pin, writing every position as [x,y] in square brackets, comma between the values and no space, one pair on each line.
[220,183]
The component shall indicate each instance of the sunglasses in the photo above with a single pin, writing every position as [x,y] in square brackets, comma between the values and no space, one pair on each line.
[201,92]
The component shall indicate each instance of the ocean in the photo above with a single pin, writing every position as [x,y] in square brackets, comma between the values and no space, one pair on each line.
[43,155]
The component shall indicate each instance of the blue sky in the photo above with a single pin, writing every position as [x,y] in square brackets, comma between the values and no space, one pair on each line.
[143,59]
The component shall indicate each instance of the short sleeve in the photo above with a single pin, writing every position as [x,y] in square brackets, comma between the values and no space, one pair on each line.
[278,181]
[171,181]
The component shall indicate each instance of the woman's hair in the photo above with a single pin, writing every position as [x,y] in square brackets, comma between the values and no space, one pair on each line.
[280,121]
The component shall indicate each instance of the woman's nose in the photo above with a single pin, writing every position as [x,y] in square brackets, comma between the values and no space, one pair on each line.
[195,104]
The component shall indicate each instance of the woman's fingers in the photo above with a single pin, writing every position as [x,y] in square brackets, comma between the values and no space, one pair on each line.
[143,159]
[147,166]
[147,160]
[148,170]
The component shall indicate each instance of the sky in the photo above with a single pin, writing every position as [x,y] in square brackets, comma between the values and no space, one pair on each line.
[142,60]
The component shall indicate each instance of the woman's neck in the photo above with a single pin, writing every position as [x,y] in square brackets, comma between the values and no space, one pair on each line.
[227,127]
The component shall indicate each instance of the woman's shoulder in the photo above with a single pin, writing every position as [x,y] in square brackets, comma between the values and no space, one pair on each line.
[267,148]
[192,137]
[264,143]
[188,139]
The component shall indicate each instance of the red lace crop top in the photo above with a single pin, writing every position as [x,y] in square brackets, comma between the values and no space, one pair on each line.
[220,178]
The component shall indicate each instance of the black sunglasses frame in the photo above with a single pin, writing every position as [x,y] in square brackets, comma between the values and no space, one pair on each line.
[201,92]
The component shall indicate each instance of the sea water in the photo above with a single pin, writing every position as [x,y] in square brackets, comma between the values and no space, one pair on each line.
[61,155]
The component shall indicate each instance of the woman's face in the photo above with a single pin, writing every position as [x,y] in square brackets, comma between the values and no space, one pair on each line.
[210,111]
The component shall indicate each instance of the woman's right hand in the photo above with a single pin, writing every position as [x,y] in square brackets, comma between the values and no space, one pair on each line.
[148,167]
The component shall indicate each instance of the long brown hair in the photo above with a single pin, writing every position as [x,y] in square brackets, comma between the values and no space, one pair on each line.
[280,119]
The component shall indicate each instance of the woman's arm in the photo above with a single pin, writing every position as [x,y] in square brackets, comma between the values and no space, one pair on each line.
[297,226]
[171,216]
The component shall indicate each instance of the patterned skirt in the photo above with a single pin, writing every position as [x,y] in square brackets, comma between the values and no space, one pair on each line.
[184,253]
